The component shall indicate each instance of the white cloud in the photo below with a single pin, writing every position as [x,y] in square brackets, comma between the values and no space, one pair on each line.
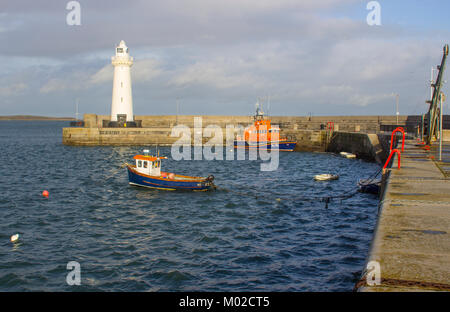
[105,74]
[145,70]
[142,71]
[207,7]
[219,73]
[73,81]
[13,89]
[365,100]
[303,53]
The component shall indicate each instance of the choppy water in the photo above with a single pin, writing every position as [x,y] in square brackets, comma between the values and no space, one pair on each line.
[133,239]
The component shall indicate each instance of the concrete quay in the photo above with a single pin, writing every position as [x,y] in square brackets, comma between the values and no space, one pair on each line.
[412,236]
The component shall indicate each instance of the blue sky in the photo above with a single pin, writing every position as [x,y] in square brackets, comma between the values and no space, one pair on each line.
[428,14]
[431,14]
[218,57]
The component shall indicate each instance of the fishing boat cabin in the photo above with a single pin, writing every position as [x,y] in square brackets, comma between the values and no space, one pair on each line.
[149,165]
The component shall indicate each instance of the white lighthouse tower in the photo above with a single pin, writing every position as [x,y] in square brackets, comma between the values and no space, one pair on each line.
[122,99]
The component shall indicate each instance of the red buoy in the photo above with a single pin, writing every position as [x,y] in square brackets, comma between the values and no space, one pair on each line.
[45,193]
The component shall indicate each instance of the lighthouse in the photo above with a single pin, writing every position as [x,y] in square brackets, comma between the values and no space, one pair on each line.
[122,99]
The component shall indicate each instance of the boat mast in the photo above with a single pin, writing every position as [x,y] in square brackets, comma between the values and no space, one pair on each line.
[259,110]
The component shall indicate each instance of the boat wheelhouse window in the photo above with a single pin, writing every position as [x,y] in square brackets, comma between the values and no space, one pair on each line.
[139,163]
[145,164]
[119,50]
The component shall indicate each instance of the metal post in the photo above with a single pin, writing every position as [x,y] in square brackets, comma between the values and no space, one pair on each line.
[176,122]
[397,109]
[431,83]
[76,110]
[423,124]
[440,132]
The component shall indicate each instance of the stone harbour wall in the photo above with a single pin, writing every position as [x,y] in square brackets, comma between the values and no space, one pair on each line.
[355,134]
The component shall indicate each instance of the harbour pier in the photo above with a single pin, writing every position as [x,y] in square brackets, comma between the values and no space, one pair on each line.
[412,237]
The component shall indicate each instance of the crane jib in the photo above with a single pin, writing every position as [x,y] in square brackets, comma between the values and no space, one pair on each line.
[432,114]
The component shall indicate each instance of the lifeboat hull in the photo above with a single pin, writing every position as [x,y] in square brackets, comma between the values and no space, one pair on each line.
[281,146]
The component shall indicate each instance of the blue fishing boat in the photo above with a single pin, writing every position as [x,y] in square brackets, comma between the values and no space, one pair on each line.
[147,173]
[263,135]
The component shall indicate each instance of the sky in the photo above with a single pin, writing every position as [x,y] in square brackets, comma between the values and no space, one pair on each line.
[303,57]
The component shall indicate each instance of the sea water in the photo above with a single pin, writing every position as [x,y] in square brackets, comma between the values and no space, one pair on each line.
[257,232]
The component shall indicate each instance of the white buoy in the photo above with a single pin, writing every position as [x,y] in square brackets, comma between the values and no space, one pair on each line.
[326,177]
[15,238]
[347,155]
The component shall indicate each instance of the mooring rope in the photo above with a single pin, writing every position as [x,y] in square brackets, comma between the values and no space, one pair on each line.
[327,199]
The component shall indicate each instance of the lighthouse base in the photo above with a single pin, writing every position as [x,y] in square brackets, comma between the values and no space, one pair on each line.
[122,124]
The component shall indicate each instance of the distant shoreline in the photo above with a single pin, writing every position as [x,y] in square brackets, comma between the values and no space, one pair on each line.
[31,117]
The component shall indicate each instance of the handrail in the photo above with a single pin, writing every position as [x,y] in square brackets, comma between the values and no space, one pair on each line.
[390,156]
[398,129]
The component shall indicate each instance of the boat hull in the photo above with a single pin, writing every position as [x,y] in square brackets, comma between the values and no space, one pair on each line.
[281,146]
[138,179]
[369,187]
